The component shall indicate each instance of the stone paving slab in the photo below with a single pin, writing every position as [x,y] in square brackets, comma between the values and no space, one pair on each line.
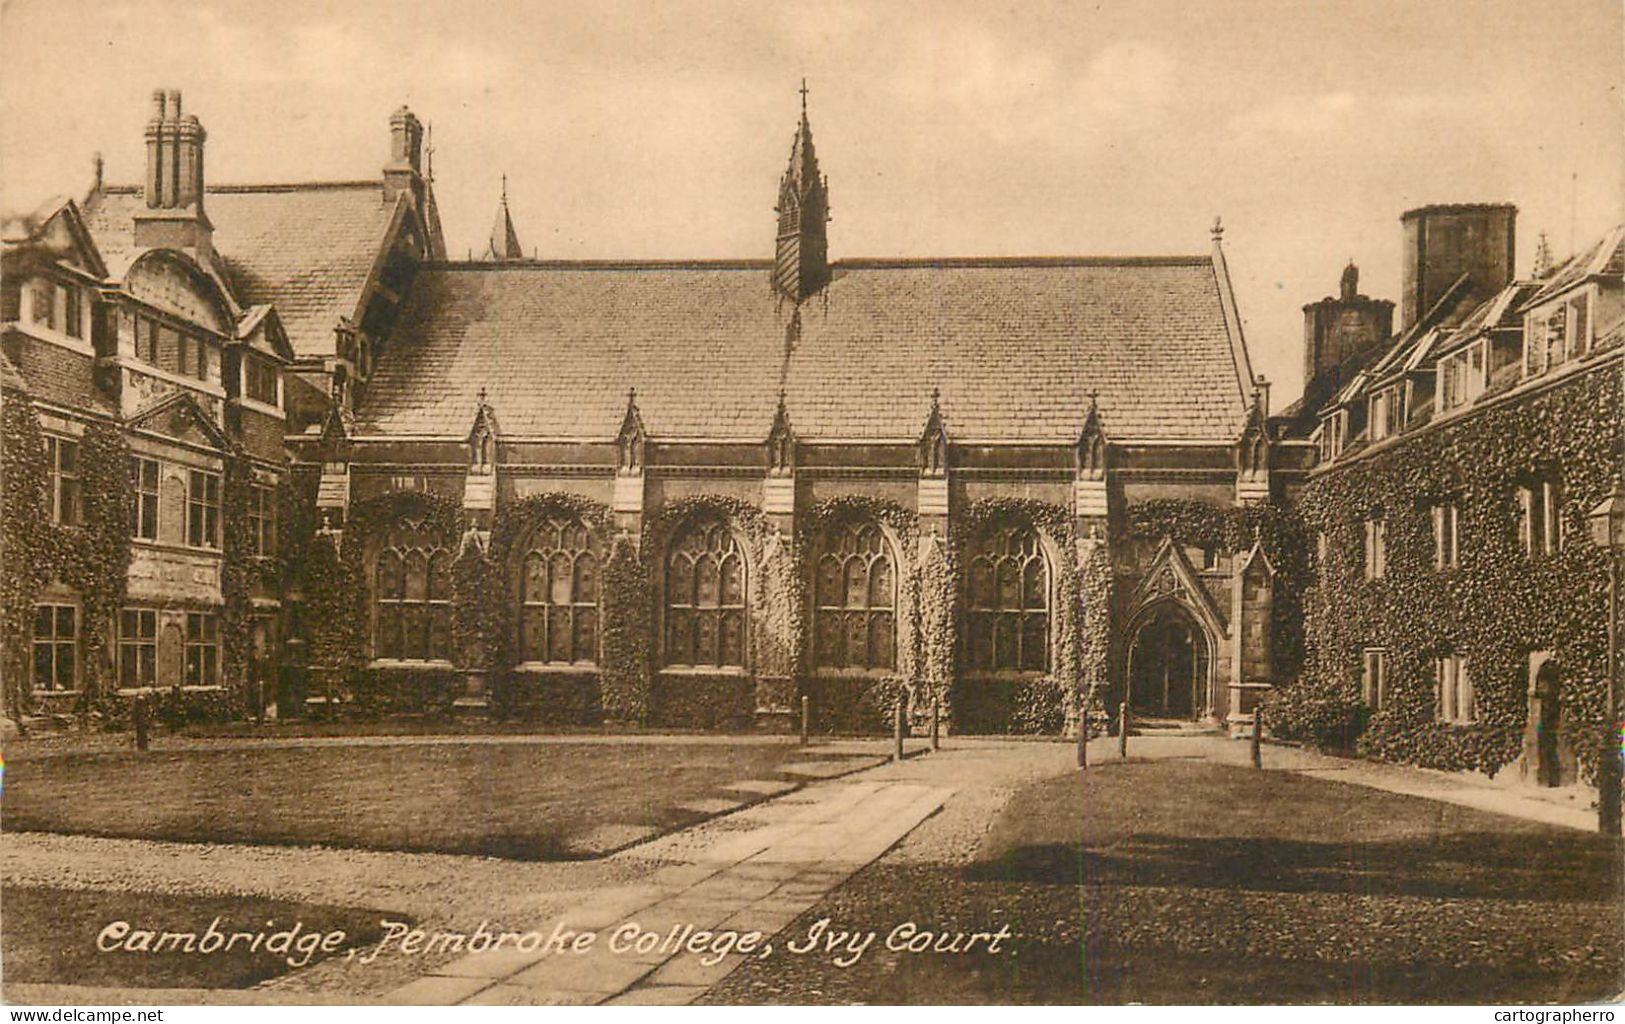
[760,879]
[659,995]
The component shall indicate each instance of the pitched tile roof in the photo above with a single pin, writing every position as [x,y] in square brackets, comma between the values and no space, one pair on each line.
[1016,346]
[307,249]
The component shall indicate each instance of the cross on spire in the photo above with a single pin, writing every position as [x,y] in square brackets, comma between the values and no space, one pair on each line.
[803,96]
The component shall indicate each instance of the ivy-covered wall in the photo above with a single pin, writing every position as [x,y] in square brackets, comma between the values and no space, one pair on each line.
[91,557]
[1495,608]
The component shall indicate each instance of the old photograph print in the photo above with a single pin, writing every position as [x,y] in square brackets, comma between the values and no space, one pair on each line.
[811,503]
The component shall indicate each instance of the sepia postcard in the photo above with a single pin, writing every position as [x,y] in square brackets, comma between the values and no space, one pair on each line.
[826,503]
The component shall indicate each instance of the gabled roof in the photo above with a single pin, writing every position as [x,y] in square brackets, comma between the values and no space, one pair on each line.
[1017,347]
[1605,256]
[308,249]
[17,230]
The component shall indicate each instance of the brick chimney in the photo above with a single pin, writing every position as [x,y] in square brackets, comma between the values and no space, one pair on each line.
[1443,242]
[405,168]
[173,217]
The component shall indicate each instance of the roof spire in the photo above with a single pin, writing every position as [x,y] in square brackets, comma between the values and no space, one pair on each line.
[504,243]
[801,255]
[1543,258]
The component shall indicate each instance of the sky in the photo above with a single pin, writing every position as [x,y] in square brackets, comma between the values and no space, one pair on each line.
[659,130]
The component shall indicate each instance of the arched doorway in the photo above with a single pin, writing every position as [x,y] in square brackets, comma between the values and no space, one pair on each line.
[1168,666]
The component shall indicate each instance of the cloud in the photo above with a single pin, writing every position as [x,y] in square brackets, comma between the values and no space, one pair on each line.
[1297,116]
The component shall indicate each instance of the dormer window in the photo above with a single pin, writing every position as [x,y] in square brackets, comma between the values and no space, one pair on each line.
[260,379]
[1332,435]
[1388,412]
[42,304]
[1462,377]
[73,312]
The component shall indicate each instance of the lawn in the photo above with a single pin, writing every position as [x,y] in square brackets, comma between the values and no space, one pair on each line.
[51,936]
[1185,882]
[517,800]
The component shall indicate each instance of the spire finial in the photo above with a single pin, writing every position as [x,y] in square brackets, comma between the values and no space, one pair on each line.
[504,189]
[482,394]
[803,97]
[1218,230]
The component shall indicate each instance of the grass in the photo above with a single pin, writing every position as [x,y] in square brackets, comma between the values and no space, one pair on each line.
[51,936]
[1184,882]
[515,800]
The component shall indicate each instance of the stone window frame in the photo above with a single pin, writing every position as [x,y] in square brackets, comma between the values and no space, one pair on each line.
[56,644]
[573,545]
[1374,676]
[63,480]
[857,541]
[1454,698]
[991,619]
[137,647]
[1540,518]
[201,662]
[430,608]
[144,511]
[203,488]
[262,502]
[726,548]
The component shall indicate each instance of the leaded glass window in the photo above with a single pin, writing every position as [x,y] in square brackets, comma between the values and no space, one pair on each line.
[1007,591]
[705,598]
[412,595]
[558,596]
[854,611]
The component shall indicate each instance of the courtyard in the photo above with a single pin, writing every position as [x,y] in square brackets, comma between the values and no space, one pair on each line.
[1179,875]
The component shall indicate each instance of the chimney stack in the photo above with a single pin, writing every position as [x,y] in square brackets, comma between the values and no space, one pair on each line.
[405,168]
[174,217]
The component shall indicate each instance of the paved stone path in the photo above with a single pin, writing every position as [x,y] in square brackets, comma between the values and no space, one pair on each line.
[786,857]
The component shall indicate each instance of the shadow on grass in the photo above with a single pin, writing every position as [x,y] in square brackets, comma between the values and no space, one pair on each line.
[1489,865]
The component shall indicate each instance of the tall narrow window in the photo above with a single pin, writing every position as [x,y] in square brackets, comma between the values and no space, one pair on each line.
[73,313]
[56,647]
[259,380]
[62,463]
[1008,599]
[1579,325]
[146,339]
[262,520]
[558,619]
[1374,677]
[412,596]
[856,600]
[137,647]
[203,509]
[1541,528]
[144,511]
[1557,336]
[1454,689]
[705,598]
[1376,547]
[202,649]
[1446,535]
[42,300]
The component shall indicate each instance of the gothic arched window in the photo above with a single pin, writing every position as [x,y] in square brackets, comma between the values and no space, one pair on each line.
[412,596]
[558,595]
[855,600]
[705,597]
[1007,628]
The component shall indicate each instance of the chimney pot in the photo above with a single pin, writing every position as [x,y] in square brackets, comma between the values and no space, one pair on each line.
[158,104]
[175,104]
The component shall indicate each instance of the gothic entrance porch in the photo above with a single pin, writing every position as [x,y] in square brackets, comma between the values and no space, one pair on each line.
[1168,666]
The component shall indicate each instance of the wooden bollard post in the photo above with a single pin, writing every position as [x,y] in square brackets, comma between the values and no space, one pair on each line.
[806,722]
[1122,732]
[138,716]
[1258,735]
[936,722]
[897,729]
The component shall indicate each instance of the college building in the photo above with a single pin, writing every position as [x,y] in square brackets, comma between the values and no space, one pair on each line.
[268,451]
[278,449]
